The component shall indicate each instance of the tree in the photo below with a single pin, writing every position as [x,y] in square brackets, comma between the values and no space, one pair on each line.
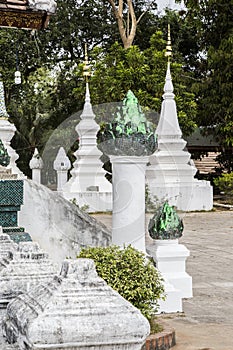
[127,20]
[144,73]
[59,50]
[214,87]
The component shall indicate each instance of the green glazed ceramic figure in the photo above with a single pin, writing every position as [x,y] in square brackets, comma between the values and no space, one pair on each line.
[130,133]
[165,224]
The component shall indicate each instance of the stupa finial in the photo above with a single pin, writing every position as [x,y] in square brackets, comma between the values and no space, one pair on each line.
[168,87]
[86,68]
[168,52]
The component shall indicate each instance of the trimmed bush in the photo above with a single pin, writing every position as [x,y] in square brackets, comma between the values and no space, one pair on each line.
[130,273]
[225,183]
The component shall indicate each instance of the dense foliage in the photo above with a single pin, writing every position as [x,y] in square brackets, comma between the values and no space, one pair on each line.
[50,62]
[130,274]
[214,87]
[225,183]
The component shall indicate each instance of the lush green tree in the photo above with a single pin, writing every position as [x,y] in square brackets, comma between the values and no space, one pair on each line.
[36,111]
[214,73]
[144,73]
[52,84]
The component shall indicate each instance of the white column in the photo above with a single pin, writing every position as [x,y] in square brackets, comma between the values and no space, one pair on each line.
[36,164]
[128,215]
[61,165]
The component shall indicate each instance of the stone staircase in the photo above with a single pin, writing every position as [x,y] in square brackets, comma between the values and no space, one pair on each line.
[207,164]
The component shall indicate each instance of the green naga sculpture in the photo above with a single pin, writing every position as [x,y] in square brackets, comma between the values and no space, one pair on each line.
[4,156]
[165,224]
[130,133]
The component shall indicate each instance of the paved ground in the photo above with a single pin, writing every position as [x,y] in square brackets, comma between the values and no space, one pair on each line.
[207,321]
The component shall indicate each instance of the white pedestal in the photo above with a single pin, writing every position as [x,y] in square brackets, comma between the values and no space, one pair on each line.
[61,165]
[7,131]
[170,258]
[61,179]
[128,215]
[173,301]
[36,175]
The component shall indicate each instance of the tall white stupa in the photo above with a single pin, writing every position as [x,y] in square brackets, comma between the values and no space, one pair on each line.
[170,175]
[88,184]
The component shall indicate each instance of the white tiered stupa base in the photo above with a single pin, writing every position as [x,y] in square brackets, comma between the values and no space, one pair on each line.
[190,196]
[170,258]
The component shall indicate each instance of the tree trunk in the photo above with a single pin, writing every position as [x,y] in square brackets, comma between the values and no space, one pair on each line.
[127,29]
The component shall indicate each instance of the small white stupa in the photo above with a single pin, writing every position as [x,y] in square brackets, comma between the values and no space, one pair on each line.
[88,184]
[170,175]
[36,165]
[7,131]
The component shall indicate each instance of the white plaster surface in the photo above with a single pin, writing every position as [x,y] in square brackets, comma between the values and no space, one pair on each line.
[28,267]
[170,258]
[61,164]
[173,301]
[92,201]
[7,248]
[7,131]
[128,215]
[36,165]
[59,226]
[77,310]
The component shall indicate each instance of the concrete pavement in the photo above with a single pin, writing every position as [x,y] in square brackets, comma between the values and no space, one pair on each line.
[207,321]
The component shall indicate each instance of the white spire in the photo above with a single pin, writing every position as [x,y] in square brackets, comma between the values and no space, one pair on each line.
[168,87]
[87,109]
[168,123]
[170,175]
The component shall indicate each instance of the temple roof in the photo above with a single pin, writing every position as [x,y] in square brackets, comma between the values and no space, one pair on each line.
[26,14]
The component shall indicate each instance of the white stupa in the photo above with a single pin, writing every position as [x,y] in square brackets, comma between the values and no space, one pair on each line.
[7,131]
[170,174]
[88,184]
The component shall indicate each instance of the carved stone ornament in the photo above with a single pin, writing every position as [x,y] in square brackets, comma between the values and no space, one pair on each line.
[29,267]
[75,311]
[165,224]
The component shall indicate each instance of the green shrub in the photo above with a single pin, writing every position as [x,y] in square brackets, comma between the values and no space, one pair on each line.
[225,183]
[130,273]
